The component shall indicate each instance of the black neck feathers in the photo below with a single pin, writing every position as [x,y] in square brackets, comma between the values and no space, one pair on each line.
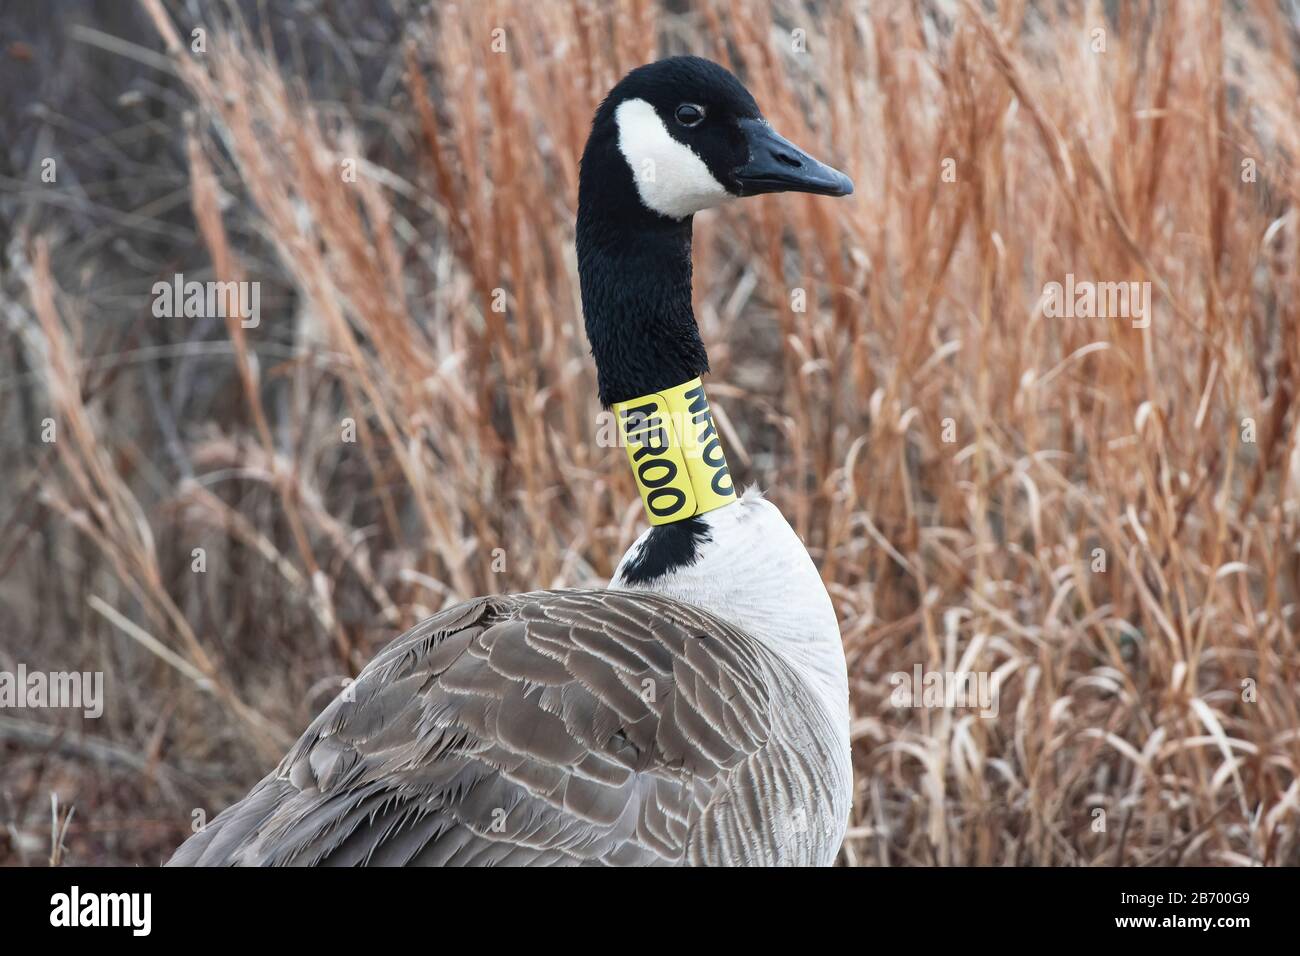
[666,548]
[634,267]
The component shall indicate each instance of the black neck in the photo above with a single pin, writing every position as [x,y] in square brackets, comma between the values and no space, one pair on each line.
[635,272]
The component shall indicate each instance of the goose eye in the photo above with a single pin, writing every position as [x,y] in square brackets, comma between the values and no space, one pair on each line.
[688,114]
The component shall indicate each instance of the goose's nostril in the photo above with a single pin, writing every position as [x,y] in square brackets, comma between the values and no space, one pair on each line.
[789,159]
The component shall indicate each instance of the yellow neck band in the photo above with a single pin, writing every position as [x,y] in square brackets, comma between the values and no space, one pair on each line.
[675,452]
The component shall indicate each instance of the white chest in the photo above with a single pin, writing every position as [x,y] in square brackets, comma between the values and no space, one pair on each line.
[755,573]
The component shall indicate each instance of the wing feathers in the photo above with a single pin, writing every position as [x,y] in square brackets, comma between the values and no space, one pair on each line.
[547,728]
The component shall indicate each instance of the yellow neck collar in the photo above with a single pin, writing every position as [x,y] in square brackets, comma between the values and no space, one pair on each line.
[675,452]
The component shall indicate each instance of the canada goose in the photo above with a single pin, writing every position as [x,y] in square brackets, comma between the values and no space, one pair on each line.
[696,712]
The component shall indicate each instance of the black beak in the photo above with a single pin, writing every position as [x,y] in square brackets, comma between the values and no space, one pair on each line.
[777,165]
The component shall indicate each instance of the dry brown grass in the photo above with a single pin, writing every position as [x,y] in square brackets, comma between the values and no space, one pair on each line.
[1122,691]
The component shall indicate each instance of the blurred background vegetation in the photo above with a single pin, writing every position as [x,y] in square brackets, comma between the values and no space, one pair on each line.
[955,461]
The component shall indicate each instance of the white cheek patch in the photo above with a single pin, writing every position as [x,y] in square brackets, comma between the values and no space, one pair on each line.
[670,177]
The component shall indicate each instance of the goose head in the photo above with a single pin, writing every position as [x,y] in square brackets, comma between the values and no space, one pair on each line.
[671,139]
[683,134]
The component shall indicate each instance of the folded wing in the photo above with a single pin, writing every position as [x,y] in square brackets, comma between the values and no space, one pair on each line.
[549,728]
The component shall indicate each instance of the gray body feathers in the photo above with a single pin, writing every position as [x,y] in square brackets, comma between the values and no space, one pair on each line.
[596,727]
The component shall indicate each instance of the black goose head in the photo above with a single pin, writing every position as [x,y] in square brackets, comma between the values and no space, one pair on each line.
[687,135]
[672,138]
